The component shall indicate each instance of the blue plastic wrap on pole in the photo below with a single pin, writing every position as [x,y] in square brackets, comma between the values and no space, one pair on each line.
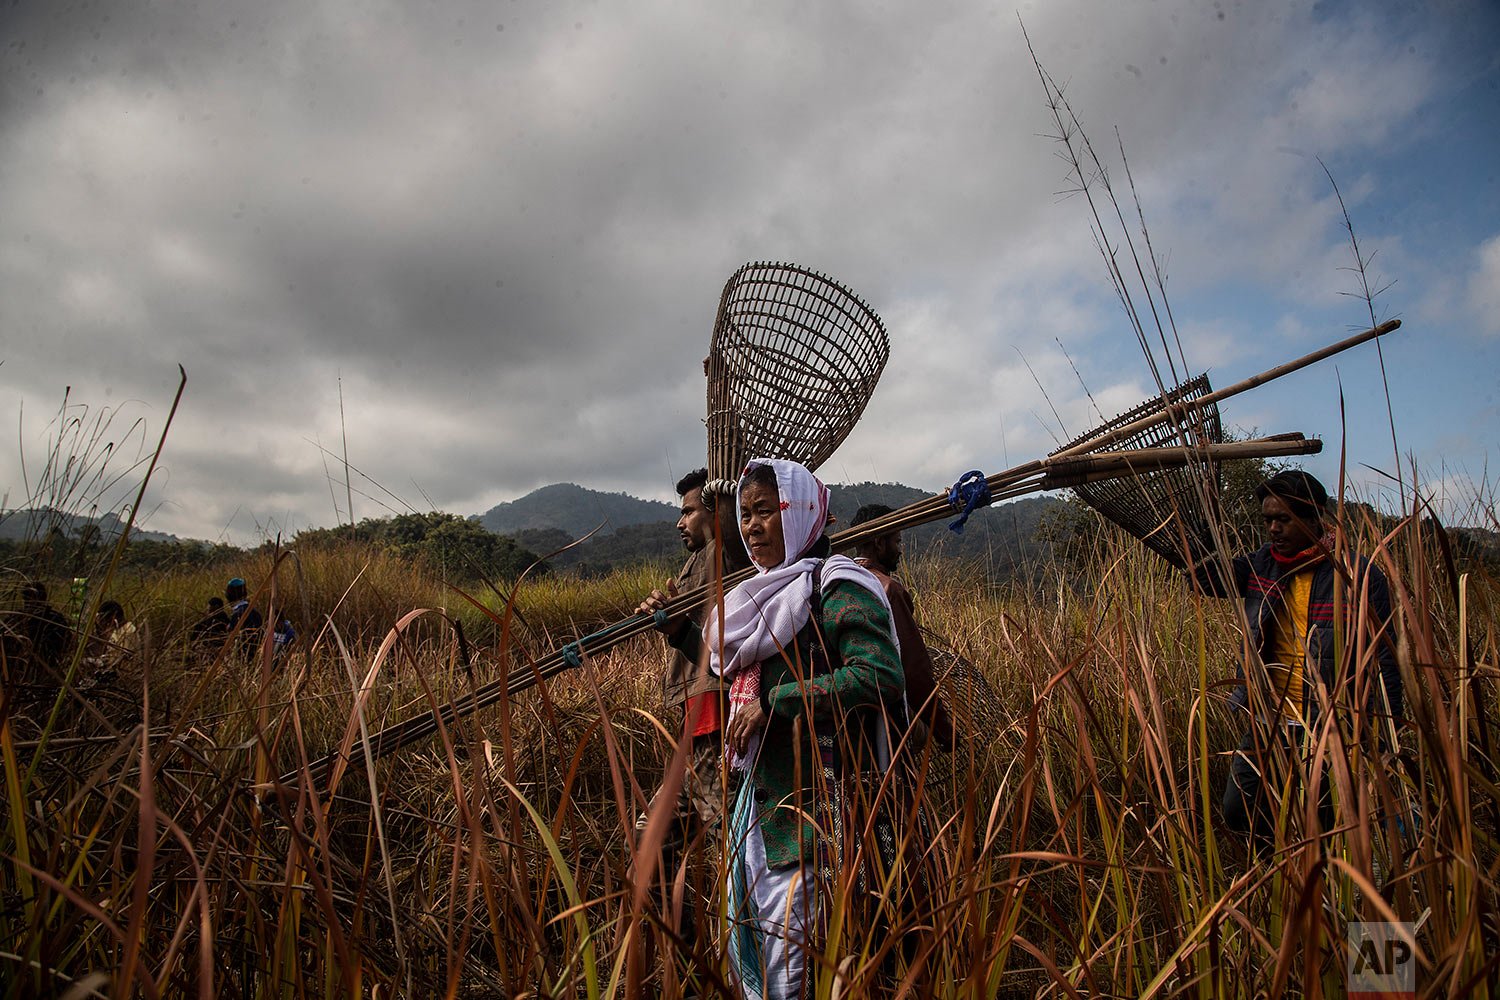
[572,653]
[971,492]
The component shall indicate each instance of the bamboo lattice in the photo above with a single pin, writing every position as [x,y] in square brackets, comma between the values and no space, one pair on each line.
[1162,507]
[794,358]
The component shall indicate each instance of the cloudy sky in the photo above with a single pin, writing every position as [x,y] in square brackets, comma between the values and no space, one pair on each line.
[501,229]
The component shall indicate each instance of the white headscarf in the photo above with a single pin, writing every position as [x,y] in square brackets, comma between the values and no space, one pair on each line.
[763,615]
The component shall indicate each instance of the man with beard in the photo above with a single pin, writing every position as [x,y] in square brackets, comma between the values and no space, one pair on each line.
[881,555]
[687,681]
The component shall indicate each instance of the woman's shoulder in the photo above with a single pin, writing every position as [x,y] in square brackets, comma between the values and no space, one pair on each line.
[843,598]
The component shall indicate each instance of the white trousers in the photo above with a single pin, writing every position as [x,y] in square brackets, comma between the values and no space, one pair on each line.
[780,905]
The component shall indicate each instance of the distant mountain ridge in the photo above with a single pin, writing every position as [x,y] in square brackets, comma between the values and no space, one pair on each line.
[574,509]
[1003,538]
[34,523]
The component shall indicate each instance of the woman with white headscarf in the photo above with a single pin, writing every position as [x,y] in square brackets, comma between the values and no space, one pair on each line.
[809,652]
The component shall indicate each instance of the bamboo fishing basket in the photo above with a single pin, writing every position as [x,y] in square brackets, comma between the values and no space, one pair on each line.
[1164,508]
[794,359]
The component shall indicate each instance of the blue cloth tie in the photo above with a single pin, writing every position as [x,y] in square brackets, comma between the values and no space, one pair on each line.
[971,492]
[572,655]
[659,617]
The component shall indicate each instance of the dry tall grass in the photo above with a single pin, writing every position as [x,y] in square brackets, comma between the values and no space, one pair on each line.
[1075,831]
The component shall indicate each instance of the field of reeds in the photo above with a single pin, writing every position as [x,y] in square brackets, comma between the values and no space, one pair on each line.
[1072,840]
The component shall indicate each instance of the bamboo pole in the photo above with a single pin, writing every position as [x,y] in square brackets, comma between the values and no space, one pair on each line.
[1058,472]
[1269,375]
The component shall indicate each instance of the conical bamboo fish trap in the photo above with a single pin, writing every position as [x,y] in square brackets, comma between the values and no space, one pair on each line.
[1163,508]
[794,358]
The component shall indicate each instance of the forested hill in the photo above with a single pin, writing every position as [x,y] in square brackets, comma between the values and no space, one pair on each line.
[1003,538]
[1004,542]
[544,521]
[575,510]
[36,523]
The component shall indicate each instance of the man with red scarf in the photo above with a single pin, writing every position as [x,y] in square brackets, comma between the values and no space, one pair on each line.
[1293,588]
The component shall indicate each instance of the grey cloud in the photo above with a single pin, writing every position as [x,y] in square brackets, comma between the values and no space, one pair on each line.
[505,227]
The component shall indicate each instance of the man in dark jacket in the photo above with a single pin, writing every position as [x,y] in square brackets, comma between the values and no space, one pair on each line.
[882,555]
[208,632]
[37,639]
[687,681]
[1320,623]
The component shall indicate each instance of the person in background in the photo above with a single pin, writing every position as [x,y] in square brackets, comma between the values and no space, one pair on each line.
[686,681]
[210,630]
[38,639]
[881,555]
[115,642]
[282,637]
[1292,588]
[244,619]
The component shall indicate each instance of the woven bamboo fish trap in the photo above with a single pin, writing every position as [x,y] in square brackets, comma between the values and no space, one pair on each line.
[1162,508]
[965,693]
[794,359]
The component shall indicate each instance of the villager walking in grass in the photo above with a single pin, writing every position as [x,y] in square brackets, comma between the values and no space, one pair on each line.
[37,639]
[245,619]
[687,682]
[881,555]
[208,632]
[115,642]
[110,682]
[815,677]
[1320,621]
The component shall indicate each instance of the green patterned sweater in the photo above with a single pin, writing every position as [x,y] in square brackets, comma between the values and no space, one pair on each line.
[805,699]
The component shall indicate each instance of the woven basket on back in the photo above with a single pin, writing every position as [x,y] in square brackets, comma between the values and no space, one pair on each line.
[966,694]
[1163,509]
[794,359]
